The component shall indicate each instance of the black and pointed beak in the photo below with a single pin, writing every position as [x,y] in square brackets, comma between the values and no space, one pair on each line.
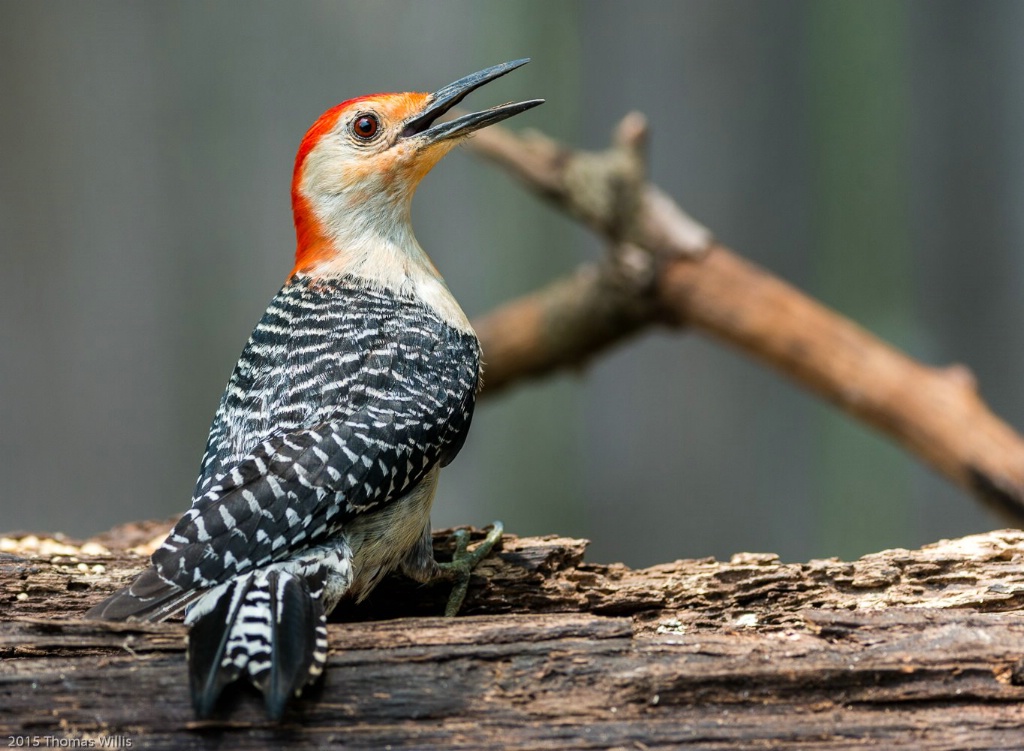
[423,126]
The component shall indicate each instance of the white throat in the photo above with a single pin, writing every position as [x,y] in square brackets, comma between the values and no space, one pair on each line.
[373,237]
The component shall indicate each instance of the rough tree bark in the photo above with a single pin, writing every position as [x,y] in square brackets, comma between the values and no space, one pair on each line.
[901,649]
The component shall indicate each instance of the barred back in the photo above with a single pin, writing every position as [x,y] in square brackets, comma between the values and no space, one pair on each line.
[343,399]
[326,348]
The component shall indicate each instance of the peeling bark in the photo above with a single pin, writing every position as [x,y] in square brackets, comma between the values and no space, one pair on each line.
[902,649]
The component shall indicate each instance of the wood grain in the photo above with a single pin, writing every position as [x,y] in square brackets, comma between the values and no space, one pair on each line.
[903,649]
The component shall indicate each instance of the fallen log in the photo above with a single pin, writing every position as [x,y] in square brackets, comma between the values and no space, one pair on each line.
[900,649]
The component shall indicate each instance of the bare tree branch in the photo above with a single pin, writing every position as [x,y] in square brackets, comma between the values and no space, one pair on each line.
[664,268]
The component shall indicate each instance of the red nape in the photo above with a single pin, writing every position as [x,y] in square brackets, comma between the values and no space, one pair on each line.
[309,237]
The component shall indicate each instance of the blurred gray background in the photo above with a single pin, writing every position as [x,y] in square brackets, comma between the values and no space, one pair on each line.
[872,153]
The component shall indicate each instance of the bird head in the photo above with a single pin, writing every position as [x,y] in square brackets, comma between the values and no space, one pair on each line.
[359,164]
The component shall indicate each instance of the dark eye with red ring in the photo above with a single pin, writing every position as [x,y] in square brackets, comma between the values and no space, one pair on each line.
[365,127]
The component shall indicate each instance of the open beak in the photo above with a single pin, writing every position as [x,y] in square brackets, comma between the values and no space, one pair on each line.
[422,125]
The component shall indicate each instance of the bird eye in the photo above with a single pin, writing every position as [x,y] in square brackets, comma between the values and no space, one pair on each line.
[366,126]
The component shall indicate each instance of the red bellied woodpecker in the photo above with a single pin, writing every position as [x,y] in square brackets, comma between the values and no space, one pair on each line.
[355,388]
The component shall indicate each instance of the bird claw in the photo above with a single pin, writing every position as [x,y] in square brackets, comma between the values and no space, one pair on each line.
[463,562]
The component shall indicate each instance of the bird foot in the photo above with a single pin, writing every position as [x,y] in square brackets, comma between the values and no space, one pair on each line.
[461,566]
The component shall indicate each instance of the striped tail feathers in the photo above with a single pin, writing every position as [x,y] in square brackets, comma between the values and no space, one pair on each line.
[268,625]
[149,598]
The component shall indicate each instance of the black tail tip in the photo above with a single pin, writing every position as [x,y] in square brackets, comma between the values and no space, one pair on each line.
[204,706]
[275,706]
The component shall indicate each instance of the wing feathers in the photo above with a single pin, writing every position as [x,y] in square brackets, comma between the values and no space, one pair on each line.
[149,598]
[311,487]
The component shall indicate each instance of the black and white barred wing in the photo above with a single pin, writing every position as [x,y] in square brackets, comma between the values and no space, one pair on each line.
[290,494]
[293,492]
[325,349]
[349,426]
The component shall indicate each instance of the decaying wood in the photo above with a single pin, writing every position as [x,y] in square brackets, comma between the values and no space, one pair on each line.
[903,649]
[663,268]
